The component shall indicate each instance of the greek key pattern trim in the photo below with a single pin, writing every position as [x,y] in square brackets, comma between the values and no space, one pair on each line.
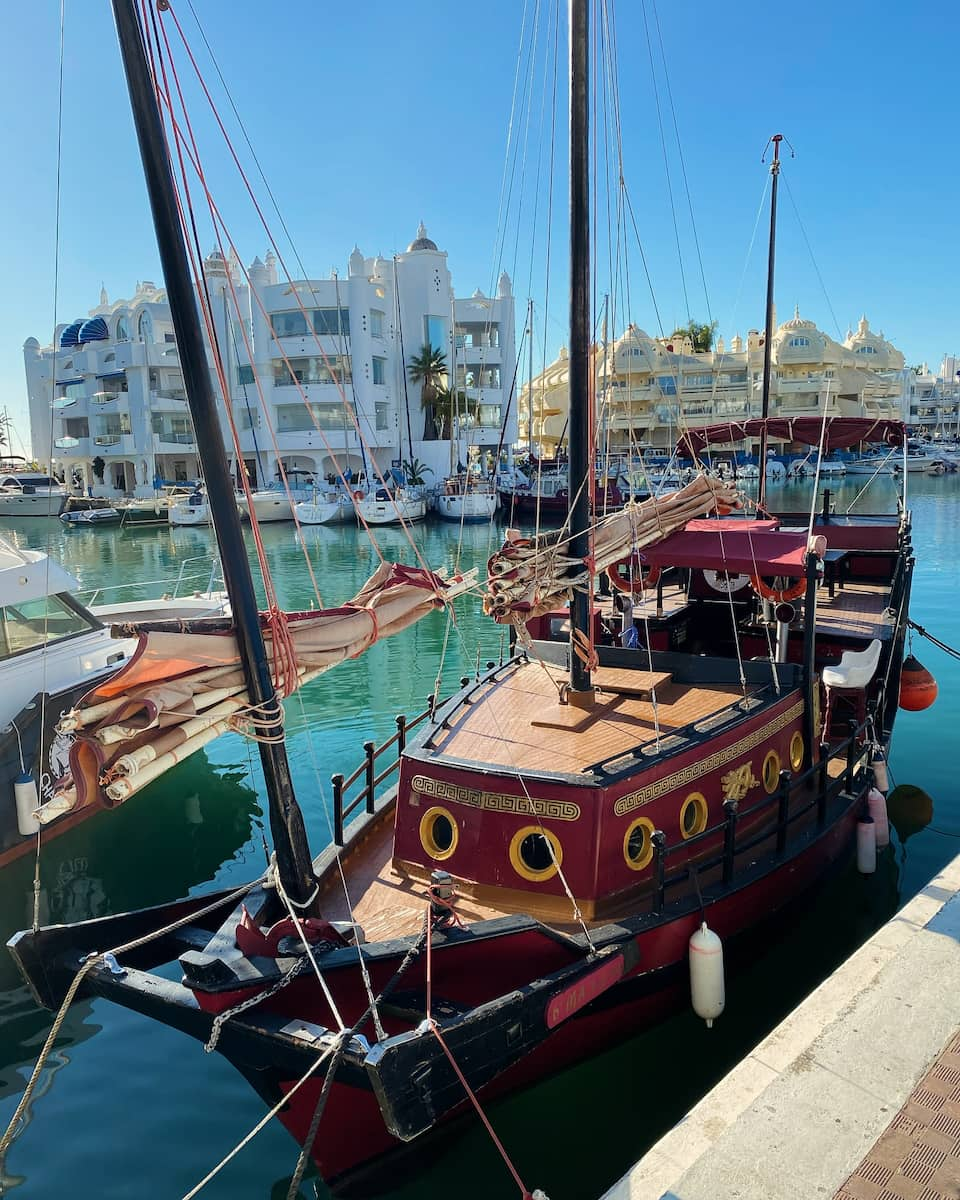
[696,770]
[521,806]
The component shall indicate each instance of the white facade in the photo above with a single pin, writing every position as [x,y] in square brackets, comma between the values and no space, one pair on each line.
[315,371]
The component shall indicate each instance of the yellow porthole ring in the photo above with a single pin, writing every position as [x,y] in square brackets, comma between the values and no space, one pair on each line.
[796,751]
[527,852]
[693,815]
[439,833]
[771,772]
[638,844]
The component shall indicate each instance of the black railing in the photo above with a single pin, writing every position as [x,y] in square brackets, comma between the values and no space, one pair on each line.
[343,808]
[815,784]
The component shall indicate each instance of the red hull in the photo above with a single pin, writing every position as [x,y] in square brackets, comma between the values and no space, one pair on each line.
[353,1143]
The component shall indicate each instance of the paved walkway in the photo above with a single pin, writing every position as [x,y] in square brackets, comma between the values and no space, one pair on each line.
[917,1157]
[855,1096]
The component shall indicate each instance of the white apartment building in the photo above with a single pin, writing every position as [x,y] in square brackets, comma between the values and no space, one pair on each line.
[316,374]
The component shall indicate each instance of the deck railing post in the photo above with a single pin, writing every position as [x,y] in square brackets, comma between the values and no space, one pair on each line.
[370,751]
[851,755]
[401,734]
[337,781]
[729,839]
[783,810]
[659,840]
[823,784]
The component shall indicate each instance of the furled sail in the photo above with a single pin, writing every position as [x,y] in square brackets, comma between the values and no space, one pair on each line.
[531,576]
[184,685]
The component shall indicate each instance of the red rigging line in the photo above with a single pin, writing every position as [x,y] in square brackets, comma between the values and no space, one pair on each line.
[299,303]
[219,223]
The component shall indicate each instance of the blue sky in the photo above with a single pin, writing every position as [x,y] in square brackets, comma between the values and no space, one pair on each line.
[369,117]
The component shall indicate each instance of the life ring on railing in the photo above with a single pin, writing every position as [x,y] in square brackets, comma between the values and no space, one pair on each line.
[620,576]
[725,582]
[778,595]
[358,495]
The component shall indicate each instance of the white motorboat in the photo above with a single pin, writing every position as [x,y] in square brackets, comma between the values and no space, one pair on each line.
[25,493]
[269,504]
[467,499]
[192,511]
[873,464]
[402,506]
[87,517]
[326,508]
[54,649]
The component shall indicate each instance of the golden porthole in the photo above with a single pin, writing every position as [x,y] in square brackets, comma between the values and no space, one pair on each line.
[771,772]
[535,853]
[796,752]
[438,833]
[693,815]
[638,844]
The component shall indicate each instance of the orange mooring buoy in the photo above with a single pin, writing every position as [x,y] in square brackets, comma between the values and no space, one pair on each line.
[918,688]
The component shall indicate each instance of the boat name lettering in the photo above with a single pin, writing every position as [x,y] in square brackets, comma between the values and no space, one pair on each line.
[696,770]
[557,810]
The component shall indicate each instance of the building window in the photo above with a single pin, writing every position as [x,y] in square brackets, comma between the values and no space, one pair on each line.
[245,374]
[667,384]
[76,427]
[170,339]
[697,380]
[312,370]
[799,341]
[332,321]
[376,323]
[866,350]
[71,391]
[289,324]
[380,370]
[125,423]
[381,413]
[435,333]
[123,330]
[145,328]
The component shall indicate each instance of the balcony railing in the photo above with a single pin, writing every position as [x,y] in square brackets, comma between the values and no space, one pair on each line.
[107,439]
[177,439]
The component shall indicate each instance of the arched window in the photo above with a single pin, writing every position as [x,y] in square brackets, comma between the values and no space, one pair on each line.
[123,330]
[145,328]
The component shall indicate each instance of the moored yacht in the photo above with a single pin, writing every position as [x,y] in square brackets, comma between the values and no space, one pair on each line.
[29,493]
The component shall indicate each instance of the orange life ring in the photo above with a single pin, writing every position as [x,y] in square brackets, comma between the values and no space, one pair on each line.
[778,595]
[358,495]
[619,575]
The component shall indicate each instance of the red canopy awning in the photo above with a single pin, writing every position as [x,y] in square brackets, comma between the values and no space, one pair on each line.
[742,551]
[840,433]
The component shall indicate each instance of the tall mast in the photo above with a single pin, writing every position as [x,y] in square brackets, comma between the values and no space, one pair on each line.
[286,820]
[768,327]
[579,360]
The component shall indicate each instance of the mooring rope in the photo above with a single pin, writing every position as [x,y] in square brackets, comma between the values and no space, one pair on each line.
[924,633]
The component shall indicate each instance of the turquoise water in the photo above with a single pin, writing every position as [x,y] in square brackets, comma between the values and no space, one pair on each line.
[128,1109]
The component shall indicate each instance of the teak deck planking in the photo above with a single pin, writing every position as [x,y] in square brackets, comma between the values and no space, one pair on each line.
[519,723]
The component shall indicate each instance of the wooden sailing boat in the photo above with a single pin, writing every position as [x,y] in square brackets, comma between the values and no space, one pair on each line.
[560,828]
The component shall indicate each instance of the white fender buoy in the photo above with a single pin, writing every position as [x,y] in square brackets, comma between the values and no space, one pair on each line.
[706,974]
[866,845]
[25,794]
[877,805]
[878,764]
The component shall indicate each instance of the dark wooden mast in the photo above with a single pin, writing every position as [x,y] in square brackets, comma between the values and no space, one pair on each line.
[768,326]
[580,443]
[286,820]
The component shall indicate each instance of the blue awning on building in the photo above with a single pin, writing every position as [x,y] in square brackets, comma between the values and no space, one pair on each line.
[68,382]
[111,375]
[71,335]
[94,330]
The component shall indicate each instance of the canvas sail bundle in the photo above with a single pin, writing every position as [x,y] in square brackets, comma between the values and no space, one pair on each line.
[531,576]
[184,685]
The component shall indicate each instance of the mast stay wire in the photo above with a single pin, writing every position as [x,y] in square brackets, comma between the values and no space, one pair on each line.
[334,374]
[53,395]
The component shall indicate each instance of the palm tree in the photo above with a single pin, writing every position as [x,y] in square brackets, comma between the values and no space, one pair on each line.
[701,335]
[448,405]
[429,370]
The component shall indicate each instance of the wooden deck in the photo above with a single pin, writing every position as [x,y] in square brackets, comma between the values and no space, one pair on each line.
[518,722]
[857,610]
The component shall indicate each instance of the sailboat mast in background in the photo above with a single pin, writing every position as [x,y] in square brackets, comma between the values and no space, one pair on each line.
[768,327]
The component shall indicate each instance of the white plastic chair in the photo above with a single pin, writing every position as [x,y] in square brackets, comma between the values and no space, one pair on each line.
[850,676]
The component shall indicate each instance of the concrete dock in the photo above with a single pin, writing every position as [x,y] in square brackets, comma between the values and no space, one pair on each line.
[856,1095]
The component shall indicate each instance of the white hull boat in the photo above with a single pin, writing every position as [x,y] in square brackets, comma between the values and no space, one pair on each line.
[324,510]
[382,509]
[189,512]
[271,504]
